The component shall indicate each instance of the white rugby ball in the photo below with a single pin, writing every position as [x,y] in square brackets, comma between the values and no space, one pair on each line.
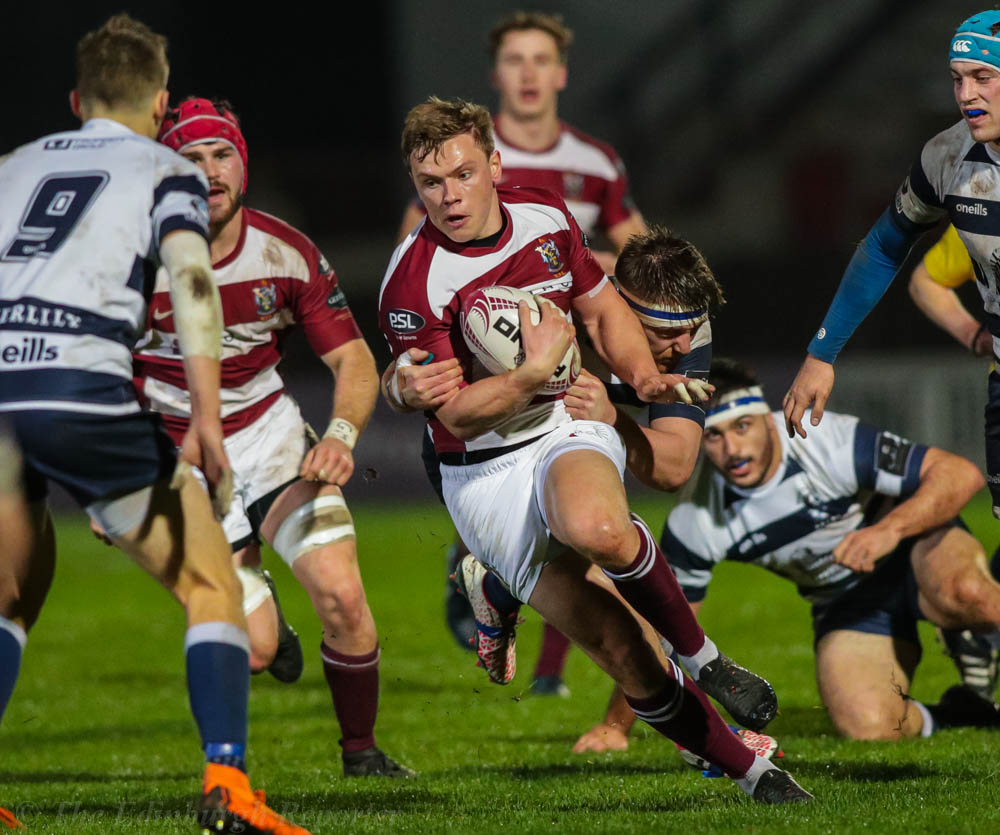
[492,330]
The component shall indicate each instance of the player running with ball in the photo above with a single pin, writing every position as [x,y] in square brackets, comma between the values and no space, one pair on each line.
[512,462]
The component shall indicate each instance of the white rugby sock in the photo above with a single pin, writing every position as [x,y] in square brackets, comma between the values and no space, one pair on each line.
[928,727]
[693,663]
[748,782]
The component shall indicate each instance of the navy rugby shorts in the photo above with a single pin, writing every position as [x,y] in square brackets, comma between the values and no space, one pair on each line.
[993,438]
[92,456]
[884,603]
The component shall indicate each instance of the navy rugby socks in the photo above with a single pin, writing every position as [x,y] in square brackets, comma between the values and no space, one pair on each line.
[12,641]
[218,675]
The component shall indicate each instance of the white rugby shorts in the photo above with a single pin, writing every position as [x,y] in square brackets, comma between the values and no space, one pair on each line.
[498,508]
[263,455]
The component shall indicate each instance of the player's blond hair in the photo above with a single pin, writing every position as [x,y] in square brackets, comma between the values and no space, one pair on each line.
[121,65]
[432,123]
[550,24]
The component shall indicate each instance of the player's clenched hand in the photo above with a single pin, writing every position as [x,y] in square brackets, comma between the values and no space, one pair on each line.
[202,447]
[587,399]
[673,388]
[601,738]
[546,343]
[811,387]
[860,550]
[423,387]
[330,460]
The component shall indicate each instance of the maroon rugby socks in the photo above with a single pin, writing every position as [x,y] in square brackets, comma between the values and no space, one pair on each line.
[353,682]
[650,587]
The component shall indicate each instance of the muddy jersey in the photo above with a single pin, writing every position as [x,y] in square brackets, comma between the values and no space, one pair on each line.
[824,488]
[587,174]
[960,177]
[540,249]
[275,278]
[82,215]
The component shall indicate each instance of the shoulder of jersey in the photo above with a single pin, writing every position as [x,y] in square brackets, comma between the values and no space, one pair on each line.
[531,194]
[945,143]
[271,225]
[587,139]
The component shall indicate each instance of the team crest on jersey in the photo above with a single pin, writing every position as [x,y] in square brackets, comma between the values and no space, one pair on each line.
[573,185]
[550,255]
[265,296]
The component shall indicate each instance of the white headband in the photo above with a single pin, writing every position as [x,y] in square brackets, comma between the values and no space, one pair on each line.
[736,404]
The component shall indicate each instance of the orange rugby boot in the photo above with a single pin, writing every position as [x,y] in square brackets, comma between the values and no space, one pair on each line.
[228,805]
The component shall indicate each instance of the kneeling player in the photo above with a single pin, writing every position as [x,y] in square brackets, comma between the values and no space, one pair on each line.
[870,569]
[287,486]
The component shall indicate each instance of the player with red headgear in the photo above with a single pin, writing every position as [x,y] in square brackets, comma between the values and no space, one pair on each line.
[287,481]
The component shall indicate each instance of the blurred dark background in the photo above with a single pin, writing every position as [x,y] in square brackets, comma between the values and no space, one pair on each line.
[772,133]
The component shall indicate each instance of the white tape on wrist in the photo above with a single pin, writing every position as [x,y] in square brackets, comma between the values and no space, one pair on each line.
[344,431]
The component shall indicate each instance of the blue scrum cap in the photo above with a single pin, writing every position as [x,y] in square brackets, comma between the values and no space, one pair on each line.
[977,40]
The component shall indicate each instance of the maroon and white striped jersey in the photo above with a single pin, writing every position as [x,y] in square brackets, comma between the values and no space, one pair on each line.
[585,173]
[540,249]
[275,278]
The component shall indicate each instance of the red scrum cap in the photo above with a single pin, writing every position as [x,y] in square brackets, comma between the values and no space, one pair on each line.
[197,120]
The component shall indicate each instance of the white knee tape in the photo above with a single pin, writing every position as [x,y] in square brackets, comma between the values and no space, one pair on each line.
[322,521]
[255,590]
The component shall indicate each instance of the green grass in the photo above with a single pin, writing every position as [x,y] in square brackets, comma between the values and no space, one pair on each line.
[98,737]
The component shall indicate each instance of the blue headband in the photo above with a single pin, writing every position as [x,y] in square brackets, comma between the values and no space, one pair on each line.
[664,315]
[736,404]
[976,40]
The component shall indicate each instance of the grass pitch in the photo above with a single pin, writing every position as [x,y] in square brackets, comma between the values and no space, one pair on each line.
[98,737]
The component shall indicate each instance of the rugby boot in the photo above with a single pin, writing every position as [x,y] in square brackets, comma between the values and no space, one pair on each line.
[8,819]
[288,660]
[962,707]
[550,686]
[761,744]
[496,633]
[228,805]
[374,762]
[457,609]
[777,786]
[750,699]
[975,658]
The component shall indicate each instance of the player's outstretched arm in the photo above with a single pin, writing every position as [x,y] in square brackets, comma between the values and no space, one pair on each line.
[198,317]
[354,395]
[947,483]
[867,277]
[487,403]
[410,385]
[945,309]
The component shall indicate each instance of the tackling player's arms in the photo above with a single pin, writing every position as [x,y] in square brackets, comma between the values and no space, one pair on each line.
[661,456]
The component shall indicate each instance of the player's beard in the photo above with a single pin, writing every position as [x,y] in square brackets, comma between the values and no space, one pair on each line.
[215,227]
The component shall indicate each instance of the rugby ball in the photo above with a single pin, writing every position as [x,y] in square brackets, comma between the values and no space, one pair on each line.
[492,330]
